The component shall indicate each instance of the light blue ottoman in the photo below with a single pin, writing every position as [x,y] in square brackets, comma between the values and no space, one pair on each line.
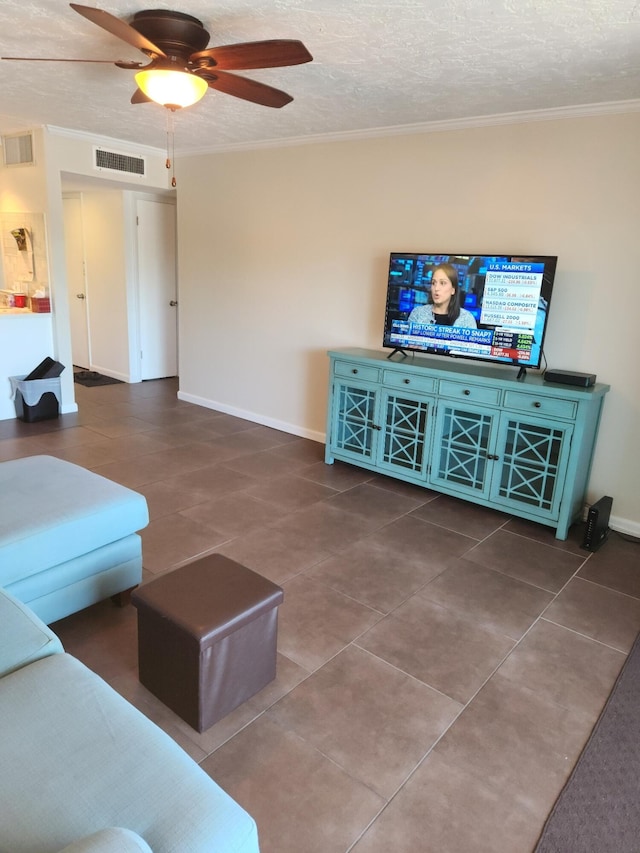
[68,537]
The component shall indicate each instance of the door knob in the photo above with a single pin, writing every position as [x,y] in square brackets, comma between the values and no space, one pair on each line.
[173,303]
[79,295]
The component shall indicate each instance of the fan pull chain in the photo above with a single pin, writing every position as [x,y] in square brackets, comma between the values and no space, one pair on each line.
[171,147]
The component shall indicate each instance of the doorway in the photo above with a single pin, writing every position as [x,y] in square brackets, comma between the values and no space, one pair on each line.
[157,289]
[76,285]
[122,290]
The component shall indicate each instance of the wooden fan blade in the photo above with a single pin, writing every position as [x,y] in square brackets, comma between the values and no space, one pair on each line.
[248,90]
[121,63]
[272,53]
[139,97]
[118,28]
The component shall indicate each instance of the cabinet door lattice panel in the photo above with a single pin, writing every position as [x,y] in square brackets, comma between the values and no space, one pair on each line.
[356,418]
[464,444]
[405,434]
[530,464]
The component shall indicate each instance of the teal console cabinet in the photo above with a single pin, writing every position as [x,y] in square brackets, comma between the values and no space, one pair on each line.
[472,431]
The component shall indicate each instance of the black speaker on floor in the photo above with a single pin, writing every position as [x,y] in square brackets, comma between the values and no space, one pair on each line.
[596,529]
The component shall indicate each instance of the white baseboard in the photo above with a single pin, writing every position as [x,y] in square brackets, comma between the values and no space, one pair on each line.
[625,525]
[254,417]
[113,374]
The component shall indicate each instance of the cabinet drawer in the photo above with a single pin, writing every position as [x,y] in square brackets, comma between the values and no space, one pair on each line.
[414,383]
[356,371]
[522,402]
[464,391]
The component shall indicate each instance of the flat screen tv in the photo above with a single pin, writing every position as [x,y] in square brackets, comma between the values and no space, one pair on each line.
[486,307]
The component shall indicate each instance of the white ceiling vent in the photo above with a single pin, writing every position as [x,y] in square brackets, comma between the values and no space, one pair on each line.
[18,149]
[115,161]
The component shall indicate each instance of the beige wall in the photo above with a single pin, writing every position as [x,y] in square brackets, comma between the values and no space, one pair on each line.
[283,254]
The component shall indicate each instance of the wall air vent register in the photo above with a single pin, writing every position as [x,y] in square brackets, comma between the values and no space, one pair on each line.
[18,149]
[115,161]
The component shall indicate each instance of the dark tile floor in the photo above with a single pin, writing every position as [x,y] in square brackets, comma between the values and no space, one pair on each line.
[440,664]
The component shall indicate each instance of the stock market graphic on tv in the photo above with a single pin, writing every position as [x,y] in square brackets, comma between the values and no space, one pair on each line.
[485,307]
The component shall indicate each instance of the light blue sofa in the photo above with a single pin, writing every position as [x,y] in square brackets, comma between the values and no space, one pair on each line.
[68,537]
[82,771]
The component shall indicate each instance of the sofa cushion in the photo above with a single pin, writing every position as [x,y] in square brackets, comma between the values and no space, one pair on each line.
[76,758]
[66,575]
[52,511]
[24,637]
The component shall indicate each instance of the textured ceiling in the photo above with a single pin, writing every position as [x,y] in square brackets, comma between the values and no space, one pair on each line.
[376,65]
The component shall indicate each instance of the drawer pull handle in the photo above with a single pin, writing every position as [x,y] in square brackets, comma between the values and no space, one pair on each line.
[407,381]
[466,392]
[537,404]
[354,370]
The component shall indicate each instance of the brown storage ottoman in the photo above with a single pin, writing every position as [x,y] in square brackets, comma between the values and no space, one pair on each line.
[207,637]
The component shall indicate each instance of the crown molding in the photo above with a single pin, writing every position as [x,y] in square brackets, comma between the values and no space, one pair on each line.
[98,139]
[524,117]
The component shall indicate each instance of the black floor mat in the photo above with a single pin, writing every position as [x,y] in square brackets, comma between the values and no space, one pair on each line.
[91,377]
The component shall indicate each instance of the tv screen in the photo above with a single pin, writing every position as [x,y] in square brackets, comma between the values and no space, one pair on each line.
[486,307]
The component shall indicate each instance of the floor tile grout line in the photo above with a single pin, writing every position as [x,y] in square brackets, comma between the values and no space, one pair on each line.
[477,540]
[609,588]
[521,580]
[584,636]
[468,703]
[547,544]
[405,673]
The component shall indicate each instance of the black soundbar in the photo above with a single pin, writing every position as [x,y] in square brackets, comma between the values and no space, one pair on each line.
[570,377]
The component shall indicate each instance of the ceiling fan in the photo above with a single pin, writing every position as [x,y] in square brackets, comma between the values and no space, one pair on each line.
[176,46]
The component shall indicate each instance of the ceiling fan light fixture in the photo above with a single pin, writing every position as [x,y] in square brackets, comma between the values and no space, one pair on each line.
[171,88]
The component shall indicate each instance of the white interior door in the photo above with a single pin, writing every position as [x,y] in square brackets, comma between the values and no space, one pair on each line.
[157,288]
[76,281]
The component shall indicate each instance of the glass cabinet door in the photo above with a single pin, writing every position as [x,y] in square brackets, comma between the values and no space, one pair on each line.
[354,421]
[532,461]
[404,446]
[462,442]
